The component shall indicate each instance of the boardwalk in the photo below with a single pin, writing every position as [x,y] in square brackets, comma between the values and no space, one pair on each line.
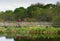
[25,23]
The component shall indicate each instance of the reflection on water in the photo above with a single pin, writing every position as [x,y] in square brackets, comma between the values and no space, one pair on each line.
[6,39]
[26,34]
[27,39]
[37,39]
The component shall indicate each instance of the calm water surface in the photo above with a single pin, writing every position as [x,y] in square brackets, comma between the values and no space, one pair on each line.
[40,39]
[6,39]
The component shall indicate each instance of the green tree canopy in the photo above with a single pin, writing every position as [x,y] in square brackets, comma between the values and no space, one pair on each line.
[20,13]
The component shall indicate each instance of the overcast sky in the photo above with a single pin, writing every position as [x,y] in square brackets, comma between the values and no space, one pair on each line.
[12,4]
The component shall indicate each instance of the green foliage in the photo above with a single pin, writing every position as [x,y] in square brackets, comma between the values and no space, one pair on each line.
[32,32]
[56,21]
[7,15]
[20,13]
[35,12]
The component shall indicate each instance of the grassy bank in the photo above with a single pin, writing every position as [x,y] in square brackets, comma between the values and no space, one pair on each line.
[32,32]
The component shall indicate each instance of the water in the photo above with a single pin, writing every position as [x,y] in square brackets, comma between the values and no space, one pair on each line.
[6,39]
[18,34]
[38,39]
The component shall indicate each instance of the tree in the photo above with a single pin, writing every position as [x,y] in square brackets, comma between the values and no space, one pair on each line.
[1,16]
[34,11]
[56,21]
[20,13]
[39,13]
[56,16]
[58,4]
[8,15]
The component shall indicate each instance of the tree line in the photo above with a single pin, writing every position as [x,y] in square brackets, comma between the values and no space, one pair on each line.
[35,12]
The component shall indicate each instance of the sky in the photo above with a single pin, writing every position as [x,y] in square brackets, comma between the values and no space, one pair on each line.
[12,4]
